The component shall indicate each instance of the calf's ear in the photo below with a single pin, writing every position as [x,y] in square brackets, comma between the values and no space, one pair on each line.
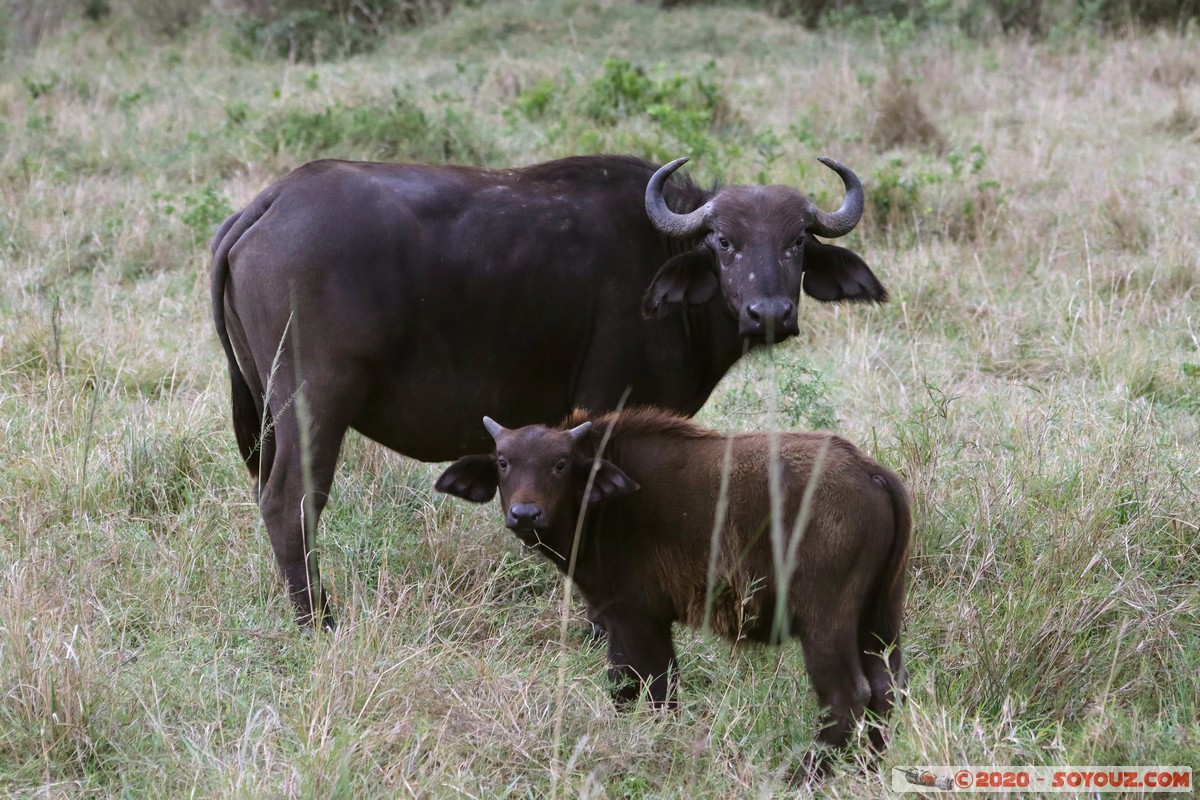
[834,273]
[610,481]
[471,478]
[686,278]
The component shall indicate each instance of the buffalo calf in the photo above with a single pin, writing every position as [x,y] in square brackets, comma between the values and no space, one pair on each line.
[644,558]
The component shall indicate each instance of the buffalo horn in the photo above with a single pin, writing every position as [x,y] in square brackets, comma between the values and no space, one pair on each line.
[666,220]
[842,221]
[579,430]
[493,427]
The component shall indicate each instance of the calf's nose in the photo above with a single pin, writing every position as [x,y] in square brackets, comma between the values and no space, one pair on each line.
[523,516]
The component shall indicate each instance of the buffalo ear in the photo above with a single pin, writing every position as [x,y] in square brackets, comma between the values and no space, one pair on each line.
[610,481]
[471,478]
[835,273]
[685,278]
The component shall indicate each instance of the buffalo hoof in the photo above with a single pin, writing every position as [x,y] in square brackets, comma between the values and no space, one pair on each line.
[307,619]
[813,770]
[329,626]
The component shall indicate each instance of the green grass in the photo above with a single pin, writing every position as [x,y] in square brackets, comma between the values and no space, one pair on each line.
[1036,380]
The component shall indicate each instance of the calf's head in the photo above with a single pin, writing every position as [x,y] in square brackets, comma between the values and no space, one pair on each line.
[757,245]
[542,474]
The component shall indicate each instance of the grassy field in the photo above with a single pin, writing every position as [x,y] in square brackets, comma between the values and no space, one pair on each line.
[1032,207]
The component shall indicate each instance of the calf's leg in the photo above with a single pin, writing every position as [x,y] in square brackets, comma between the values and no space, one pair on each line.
[885,675]
[836,673]
[641,658]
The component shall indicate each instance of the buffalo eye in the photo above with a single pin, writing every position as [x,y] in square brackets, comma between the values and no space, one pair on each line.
[721,240]
[560,466]
[502,463]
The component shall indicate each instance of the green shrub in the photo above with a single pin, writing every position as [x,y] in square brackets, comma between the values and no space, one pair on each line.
[628,108]
[533,102]
[312,30]
[160,17]
[971,16]
[952,198]
[801,397]
[401,131]
[200,211]
[679,103]
[204,210]
[894,193]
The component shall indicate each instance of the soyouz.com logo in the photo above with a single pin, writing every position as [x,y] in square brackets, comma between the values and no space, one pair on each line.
[1041,779]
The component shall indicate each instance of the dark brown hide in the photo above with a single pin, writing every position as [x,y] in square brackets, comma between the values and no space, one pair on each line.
[407,301]
[643,558]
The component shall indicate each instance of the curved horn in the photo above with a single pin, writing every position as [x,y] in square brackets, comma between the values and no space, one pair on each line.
[493,427]
[666,220]
[842,221]
[579,430]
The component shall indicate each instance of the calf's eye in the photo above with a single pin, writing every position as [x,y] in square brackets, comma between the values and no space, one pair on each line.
[502,464]
[560,466]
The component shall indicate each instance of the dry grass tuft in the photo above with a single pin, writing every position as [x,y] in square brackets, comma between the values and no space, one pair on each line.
[51,674]
[900,118]
[1183,122]
[1122,222]
[1175,70]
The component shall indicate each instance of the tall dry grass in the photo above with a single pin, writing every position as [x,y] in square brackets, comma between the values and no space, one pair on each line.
[1035,380]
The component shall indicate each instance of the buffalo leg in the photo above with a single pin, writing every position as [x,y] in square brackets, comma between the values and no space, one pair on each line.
[596,621]
[641,658]
[835,670]
[885,675]
[292,499]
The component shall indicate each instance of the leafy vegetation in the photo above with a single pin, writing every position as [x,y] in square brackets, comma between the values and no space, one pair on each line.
[1035,379]
[399,131]
[975,17]
[312,30]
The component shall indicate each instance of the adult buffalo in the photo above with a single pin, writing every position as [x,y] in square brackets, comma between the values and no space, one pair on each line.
[407,301]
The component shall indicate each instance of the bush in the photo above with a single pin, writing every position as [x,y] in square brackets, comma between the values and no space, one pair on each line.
[951,198]
[974,16]
[626,108]
[312,30]
[204,210]
[800,397]
[901,119]
[400,131]
[23,23]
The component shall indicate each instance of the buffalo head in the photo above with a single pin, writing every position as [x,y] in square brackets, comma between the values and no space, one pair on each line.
[542,474]
[758,246]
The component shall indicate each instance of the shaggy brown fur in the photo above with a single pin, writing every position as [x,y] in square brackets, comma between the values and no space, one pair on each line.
[642,561]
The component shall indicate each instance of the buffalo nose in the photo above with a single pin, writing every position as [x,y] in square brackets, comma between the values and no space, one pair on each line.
[524,516]
[773,318]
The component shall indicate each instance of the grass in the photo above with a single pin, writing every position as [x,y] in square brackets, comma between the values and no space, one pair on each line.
[1036,379]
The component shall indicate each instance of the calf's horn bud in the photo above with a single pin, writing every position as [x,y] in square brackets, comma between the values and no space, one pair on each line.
[493,427]
[579,430]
